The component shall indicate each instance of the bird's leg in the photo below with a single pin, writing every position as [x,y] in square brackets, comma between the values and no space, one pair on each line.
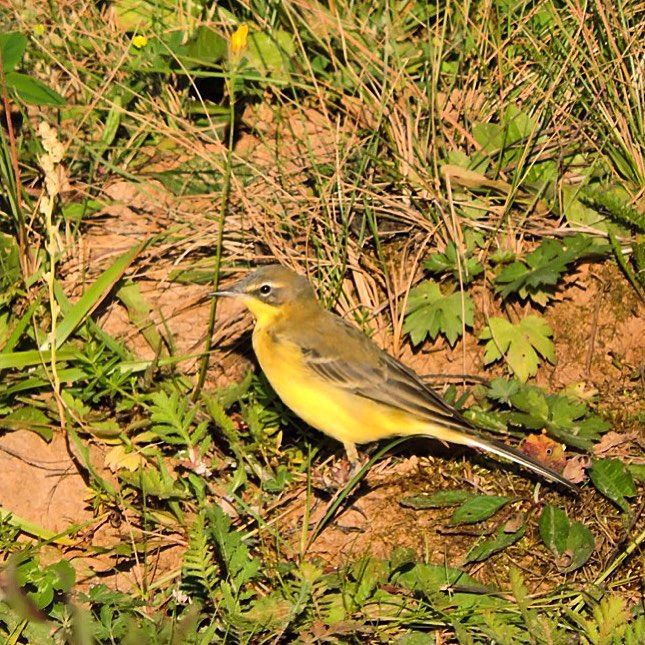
[356,462]
[341,471]
[351,452]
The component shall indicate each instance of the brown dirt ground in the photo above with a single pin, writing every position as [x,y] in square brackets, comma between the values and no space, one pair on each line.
[599,333]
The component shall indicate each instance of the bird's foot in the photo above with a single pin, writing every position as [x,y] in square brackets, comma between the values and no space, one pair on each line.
[333,477]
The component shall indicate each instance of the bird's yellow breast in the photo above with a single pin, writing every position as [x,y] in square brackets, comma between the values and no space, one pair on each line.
[338,412]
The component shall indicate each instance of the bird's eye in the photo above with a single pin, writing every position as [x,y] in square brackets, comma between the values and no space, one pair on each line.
[265,289]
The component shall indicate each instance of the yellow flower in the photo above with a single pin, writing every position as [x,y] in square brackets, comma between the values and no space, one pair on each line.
[239,40]
[140,41]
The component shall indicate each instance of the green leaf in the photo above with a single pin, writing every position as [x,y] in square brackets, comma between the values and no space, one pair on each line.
[432,578]
[554,528]
[235,555]
[614,481]
[30,528]
[33,91]
[65,576]
[521,344]
[571,542]
[519,125]
[12,48]
[616,201]
[273,611]
[502,540]
[543,268]
[143,15]
[532,401]
[611,616]
[172,418]
[637,471]
[402,557]
[490,136]
[111,127]
[565,418]
[454,263]
[271,53]
[207,46]
[442,499]
[30,418]
[478,509]
[567,424]
[580,545]
[155,483]
[139,314]
[94,295]
[502,389]
[430,312]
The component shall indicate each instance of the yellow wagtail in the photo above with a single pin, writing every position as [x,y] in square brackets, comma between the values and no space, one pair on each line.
[340,382]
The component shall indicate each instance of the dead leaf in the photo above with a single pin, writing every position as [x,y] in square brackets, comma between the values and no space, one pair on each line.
[118,458]
[612,440]
[515,522]
[575,470]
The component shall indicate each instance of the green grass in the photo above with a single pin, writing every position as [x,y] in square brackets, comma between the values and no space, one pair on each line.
[440,173]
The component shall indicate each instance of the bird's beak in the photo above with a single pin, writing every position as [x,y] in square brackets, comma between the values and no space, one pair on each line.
[235,291]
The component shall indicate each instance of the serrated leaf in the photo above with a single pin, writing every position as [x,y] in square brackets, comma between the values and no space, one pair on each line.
[458,265]
[120,457]
[234,554]
[613,480]
[501,541]
[592,427]
[521,344]
[568,422]
[612,616]
[533,401]
[542,268]
[442,499]
[430,313]
[478,509]
[503,390]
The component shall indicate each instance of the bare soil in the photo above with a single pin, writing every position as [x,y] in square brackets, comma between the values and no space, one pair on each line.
[599,331]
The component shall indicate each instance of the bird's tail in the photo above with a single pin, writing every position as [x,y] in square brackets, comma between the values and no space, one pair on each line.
[465,438]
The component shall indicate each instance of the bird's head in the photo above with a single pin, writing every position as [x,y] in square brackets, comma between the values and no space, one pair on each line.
[272,289]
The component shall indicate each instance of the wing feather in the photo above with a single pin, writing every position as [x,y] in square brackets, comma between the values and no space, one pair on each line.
[361,367]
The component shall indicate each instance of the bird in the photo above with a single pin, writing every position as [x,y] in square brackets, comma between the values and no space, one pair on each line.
[340,382]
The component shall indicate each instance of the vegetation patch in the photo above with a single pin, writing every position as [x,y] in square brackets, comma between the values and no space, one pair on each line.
[462,182]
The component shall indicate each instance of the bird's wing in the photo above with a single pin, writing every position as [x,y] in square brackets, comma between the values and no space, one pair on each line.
[356,364]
